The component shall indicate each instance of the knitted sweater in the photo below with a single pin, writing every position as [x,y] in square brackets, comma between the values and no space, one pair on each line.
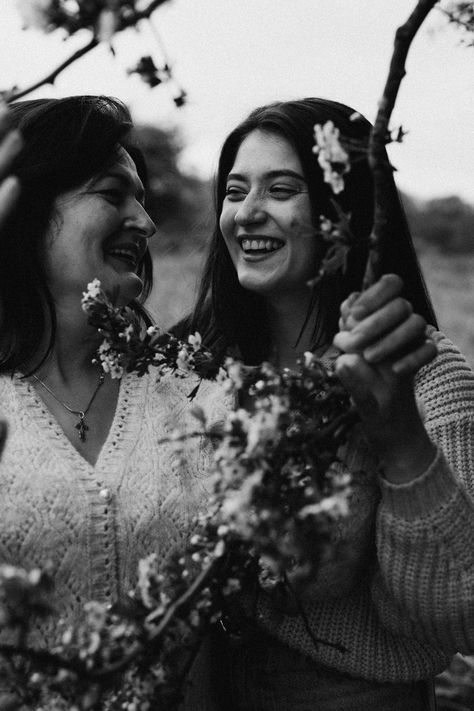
[398,594]
[94,523]
[399,601]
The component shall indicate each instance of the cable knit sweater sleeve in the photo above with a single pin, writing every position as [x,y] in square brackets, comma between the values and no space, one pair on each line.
[425,529]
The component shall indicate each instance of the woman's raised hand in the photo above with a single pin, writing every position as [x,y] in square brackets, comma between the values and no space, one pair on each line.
[10,145]
[381,325]
[384,344]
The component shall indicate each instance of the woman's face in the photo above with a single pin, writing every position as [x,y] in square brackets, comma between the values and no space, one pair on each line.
[266,217]
[99,230]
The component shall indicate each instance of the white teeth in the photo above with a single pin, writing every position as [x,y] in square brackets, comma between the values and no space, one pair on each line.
[254,245]
[123,253]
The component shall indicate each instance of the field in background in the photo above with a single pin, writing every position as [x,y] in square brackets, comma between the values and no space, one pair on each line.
[450,280]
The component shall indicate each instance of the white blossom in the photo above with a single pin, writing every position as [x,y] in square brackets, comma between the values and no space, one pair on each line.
[332,157]
[195,341]
[93,292]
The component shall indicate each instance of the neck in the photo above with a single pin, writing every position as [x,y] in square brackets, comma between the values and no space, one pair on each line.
[287,315]
[72,353]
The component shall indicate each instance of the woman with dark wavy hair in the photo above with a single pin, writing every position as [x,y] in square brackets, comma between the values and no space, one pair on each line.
[395,600]
[85,485]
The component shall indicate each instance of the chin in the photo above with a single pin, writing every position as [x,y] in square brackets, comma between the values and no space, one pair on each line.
[259,286]
[128,290]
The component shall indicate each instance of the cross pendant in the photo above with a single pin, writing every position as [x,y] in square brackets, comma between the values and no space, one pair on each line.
[82,427]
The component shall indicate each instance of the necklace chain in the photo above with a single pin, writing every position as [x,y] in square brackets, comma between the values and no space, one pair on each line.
[81,426]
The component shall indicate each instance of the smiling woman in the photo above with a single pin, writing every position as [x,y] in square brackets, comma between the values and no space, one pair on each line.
[86,487]
[393,602]
[266,218]
[105,225]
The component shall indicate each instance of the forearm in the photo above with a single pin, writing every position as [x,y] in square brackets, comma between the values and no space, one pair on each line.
[425,527]
[424,546]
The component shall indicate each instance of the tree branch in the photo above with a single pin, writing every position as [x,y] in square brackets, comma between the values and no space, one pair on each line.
[45,659]
[381,168]
[50,78]
[129,21]
[186,599]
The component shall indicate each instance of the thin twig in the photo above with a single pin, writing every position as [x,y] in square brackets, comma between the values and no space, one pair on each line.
[129,21]
[187,597]
[47,659]
[50,78]
[381,168]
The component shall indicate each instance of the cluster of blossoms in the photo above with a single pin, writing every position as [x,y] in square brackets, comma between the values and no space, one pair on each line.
[277,490]
[126,347]
[339,239]
[278,486]
[104,17]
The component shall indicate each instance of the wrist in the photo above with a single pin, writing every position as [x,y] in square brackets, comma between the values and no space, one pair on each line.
[408,461]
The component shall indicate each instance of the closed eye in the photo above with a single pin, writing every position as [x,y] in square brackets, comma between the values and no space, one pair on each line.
[113,195]
[283,191]
[233,193]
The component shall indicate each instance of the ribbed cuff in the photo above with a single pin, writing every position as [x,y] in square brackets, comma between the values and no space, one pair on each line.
[423,495]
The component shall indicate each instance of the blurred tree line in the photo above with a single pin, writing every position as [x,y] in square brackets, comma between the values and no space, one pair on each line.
[446,223]
[181,204]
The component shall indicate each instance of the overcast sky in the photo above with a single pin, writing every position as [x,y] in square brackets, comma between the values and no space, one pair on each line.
[232,55]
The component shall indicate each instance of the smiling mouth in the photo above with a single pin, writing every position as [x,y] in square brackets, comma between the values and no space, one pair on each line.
[260,245]
[129,254]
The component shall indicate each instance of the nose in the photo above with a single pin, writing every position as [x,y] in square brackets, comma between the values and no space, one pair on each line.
[138,220]
[250,211]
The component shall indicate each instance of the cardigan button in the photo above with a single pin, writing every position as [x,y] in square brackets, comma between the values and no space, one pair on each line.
[104,494]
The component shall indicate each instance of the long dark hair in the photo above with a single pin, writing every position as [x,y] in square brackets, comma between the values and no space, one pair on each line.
[228,315]
[66,142]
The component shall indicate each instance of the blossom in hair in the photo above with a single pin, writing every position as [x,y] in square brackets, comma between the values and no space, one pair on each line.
[332,157]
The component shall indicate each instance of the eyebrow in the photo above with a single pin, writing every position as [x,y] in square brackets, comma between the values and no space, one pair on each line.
[271,174]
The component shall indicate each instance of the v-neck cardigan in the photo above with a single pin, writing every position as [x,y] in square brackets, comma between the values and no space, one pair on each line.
[94,523]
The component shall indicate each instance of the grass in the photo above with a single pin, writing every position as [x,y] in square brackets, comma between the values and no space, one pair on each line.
[450,280]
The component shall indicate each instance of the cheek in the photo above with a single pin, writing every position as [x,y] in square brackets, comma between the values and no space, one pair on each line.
[301,223]
[226,220]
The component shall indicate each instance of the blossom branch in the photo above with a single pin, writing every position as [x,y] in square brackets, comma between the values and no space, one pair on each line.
[461,14]
[186,599]
[130,20]
[377,157]
[50,78]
